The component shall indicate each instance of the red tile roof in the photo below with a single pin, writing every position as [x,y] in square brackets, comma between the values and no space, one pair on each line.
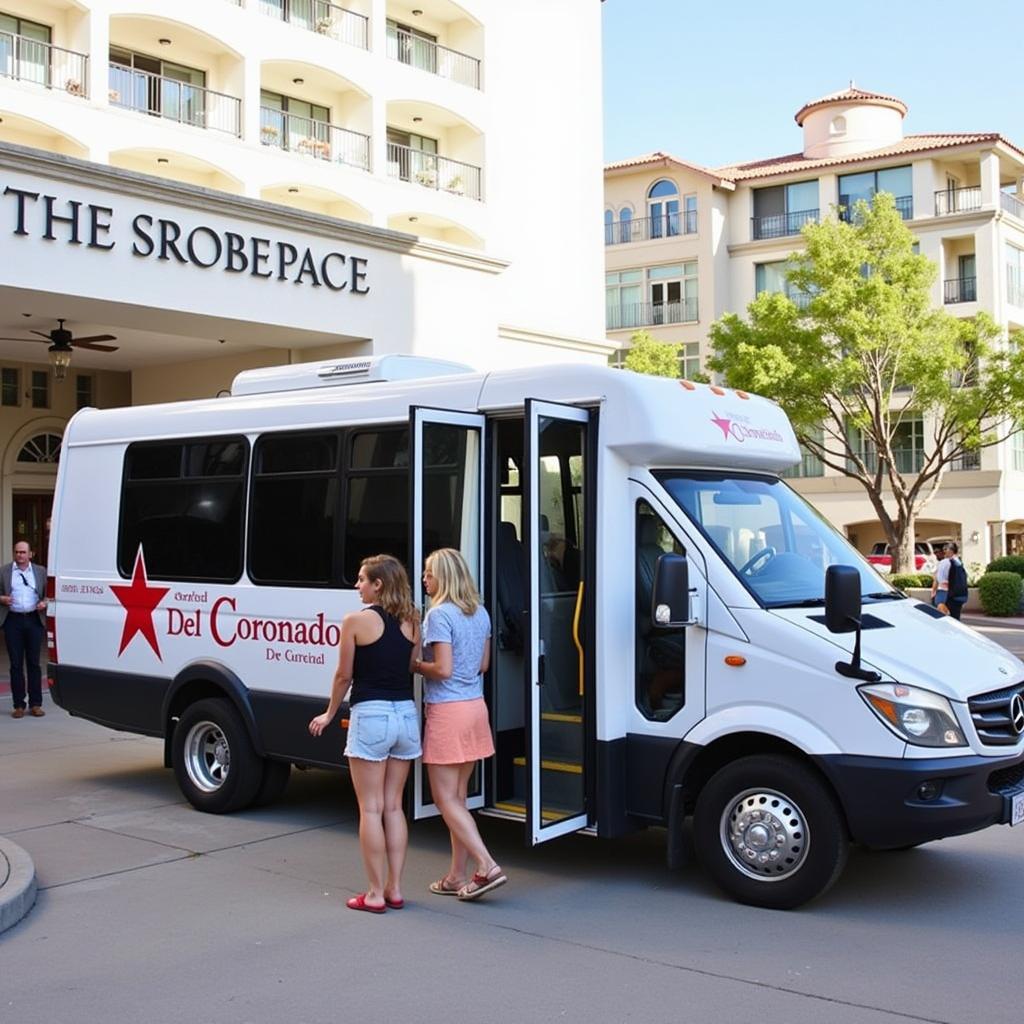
[659,159]
[852,95]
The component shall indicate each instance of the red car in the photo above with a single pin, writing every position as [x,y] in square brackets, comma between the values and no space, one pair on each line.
[924,557]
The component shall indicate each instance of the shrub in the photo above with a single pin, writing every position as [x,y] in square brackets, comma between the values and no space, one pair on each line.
[1000,593]
[1008,563]
[905,580]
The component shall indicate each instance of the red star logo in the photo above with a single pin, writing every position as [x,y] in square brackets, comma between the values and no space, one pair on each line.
[139,600]
[723,424]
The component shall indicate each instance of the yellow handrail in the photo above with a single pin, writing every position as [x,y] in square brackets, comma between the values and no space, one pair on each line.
[576,630]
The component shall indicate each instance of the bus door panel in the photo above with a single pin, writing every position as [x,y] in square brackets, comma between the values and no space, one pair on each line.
[557,483]
[447,493]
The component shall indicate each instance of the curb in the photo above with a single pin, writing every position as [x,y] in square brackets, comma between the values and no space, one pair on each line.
[17,884]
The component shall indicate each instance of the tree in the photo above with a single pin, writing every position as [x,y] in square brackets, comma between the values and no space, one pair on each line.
[648,355]
[864,353]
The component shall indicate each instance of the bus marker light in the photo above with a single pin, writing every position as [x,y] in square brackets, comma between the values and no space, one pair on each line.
[736,660]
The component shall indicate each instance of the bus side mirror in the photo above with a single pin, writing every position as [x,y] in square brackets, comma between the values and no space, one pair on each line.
[842,599]
[842,615]
[670,599]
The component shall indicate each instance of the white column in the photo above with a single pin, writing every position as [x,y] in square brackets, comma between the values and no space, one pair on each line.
[989,179]
[96,38]
[251,99]
[923,183]
[378,102]
[828,195]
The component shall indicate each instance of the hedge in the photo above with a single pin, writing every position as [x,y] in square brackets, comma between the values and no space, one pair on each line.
[1000,593]
[905,580]
[1008,563]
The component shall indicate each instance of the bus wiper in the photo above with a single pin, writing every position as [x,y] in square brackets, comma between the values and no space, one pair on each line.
[808,602]
[887,595]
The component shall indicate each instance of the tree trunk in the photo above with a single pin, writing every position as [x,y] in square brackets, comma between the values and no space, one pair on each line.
[903,549]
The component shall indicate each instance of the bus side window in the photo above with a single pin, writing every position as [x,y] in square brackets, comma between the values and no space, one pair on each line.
[660,664]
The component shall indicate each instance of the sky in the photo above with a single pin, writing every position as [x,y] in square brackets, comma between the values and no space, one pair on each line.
[719,83]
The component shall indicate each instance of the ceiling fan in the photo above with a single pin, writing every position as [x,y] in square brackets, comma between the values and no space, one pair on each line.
[61,340]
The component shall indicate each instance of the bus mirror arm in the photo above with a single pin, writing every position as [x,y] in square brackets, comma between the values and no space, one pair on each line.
[842,615]
[671,607]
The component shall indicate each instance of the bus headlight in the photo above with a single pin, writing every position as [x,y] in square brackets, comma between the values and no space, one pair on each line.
[917,716]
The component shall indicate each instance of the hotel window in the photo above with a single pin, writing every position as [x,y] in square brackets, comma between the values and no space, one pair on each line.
[609,227]
[40,389]
[157,87]
[412,157]
[689,359]
[809,464]
[781,210]
[895,180]
[663,209]
[1015,276]
[673,293]
[294,124]
[771,277]
[83,391]
[410,46]
[906,442]
[624,299]
[24,50]
[1018,450]
[10,386]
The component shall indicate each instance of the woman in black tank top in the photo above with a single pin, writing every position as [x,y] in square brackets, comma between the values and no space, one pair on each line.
[378,645]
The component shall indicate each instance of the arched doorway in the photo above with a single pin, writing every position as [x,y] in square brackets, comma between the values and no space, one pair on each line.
[29,478]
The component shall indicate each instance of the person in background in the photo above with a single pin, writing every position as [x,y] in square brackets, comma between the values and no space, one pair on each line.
[23,617]
[940,575]
[375,656]
[950,582]
[457,734]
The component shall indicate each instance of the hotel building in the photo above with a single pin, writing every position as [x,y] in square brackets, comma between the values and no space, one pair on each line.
[216,185]
[685,244]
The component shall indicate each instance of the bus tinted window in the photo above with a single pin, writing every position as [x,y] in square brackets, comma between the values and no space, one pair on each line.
[183,504]
[294,509]
[384,449]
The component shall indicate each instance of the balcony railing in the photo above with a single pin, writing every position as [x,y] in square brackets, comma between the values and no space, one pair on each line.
[1011,204]
[809,465]
[314,138]
[427,55]
[965,462]
[433,171]
[29,60]
[326,19]
[906,460]
[904,207]
[177,101]
[957,200]
[960,289]
[642,229]
[779,225]
[650,314]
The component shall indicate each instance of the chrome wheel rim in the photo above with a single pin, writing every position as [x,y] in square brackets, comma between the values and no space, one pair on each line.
[764,834]
[207,756]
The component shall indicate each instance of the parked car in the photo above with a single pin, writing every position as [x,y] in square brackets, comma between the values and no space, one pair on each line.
[925,557]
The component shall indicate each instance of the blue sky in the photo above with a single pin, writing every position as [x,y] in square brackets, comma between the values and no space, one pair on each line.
[718,83]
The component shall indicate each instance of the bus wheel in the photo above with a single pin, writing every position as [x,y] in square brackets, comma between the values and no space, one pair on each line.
[769,832]
[214,761]
[275,779]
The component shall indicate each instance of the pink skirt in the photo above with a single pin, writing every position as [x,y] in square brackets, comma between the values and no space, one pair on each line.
[457,731]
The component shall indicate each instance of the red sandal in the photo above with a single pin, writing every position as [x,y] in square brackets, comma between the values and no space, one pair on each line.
[359,903]
[479,885]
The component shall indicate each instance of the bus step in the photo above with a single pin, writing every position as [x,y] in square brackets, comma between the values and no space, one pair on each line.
[516,810]
[561,782]
[561,736]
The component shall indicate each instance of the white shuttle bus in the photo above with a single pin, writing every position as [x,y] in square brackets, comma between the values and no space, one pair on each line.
[677,633]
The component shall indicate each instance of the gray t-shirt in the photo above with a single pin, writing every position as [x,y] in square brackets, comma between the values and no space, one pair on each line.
[468,634]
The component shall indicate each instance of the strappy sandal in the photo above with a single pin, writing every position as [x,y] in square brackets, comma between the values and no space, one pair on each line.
[479,885]
[442,887]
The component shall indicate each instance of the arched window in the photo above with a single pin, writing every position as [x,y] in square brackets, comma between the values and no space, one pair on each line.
[838,126]
[663,209]
[625,224]
[43,448]
[609,227]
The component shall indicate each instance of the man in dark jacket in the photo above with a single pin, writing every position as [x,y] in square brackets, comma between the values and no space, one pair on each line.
[23,617]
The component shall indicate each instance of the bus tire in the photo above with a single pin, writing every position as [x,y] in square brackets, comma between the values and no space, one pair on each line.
[769,832]
[275,779]
[214,761]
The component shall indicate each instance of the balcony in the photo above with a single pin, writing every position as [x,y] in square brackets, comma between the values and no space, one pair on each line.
[1012,205]
[29,60]
[906,460]
[650,314]
[957,200]
[643,229]
[315,138]
[160,96]
[326,19]
[433,171]
[960,289]
[904,207]
[965,462]
[808,466]
[429,56]
[780,225]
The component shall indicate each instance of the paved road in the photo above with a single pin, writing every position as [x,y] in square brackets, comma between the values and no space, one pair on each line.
[150,912]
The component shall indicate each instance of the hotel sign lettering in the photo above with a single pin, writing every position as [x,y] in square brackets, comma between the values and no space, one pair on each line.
[75,222]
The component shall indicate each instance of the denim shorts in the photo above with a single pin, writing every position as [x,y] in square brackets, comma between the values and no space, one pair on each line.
[379,729]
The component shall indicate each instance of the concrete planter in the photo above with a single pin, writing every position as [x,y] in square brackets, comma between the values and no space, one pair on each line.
[925,594]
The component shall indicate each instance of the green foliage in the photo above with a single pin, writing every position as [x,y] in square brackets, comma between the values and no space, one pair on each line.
[648,355]
[906,580]
[975,570]
[1000,593]
[1008,563]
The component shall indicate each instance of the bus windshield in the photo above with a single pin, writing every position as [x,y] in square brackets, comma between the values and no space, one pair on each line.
[776,543]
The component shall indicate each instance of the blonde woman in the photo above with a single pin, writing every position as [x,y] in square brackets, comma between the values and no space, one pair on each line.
[457,734]
[375,658]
